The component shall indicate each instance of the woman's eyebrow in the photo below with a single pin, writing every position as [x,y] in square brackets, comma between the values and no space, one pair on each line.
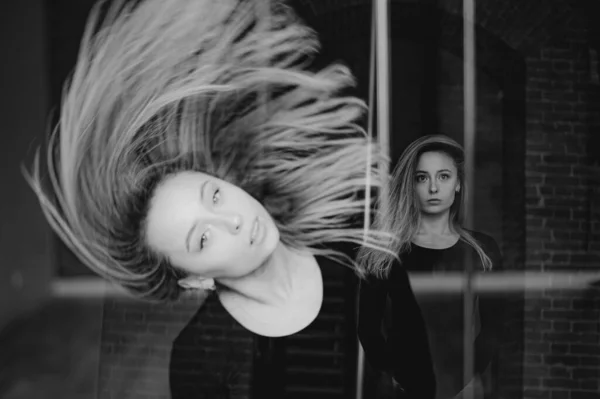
[191,231]
[202,189]
[189,236]
[439,171]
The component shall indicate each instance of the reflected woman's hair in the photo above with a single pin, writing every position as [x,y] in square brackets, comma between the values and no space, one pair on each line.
[167,86]
[400,212]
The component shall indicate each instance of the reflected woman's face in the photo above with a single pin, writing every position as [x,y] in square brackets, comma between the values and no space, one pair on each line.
[436,182]
[208,227]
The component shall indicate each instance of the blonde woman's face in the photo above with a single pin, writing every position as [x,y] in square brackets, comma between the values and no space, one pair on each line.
[436,182]
[210,228]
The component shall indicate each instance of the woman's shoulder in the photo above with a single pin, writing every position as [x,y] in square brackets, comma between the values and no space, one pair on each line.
[484,239]
[489,246]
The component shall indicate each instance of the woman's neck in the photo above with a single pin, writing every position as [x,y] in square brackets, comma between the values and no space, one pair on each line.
[280,298]
[435,225]
[273,282]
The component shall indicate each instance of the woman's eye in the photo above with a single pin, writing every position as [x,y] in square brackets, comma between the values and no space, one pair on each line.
[203,239]
[421,178]
[216,197]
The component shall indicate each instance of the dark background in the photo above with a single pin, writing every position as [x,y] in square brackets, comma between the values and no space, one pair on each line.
[535,190]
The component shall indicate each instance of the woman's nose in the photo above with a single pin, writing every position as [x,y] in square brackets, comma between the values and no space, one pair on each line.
[232,221]
[433,188]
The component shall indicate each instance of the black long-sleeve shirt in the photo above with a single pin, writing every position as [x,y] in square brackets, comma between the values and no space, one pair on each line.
[405,352]
[213,353]
[402,352]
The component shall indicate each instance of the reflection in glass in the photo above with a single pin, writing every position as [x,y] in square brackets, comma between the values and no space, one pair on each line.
[535,192]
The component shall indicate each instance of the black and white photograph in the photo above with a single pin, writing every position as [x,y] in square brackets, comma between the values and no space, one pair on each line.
[300,199]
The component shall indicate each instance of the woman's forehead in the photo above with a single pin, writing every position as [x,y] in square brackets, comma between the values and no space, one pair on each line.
[435,159]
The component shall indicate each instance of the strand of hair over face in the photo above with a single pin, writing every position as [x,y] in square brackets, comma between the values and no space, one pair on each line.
[175,83]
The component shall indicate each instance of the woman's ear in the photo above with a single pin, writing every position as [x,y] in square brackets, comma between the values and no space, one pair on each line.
[197,283]
[457,189]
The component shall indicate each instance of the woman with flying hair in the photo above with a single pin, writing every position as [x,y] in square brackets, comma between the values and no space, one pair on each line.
[425,210]
[196,150]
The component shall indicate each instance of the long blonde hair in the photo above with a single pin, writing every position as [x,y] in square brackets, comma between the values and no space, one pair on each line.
[173,85]
[400,213]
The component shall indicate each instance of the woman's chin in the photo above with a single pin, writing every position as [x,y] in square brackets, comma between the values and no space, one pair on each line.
[434,210]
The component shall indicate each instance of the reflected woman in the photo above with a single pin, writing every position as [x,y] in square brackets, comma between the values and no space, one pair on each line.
[426,203]
[196,150]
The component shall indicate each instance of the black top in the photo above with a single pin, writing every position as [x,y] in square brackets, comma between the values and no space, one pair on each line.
[210,355]
[215,362]
[405,352]
[402,352]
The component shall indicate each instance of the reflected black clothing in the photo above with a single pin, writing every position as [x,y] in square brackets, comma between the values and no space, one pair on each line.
[215,357]
[445,324]
[443,314]
[405,353]
[211,355]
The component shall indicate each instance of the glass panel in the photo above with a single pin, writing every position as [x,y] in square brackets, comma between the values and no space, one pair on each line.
[534,192]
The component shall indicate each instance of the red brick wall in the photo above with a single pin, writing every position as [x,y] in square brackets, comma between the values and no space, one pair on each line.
[559,91]
[562,342]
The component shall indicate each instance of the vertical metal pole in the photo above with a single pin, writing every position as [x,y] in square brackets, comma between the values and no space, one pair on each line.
[470,123]
[383,82]
[360,366]
[380,61]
